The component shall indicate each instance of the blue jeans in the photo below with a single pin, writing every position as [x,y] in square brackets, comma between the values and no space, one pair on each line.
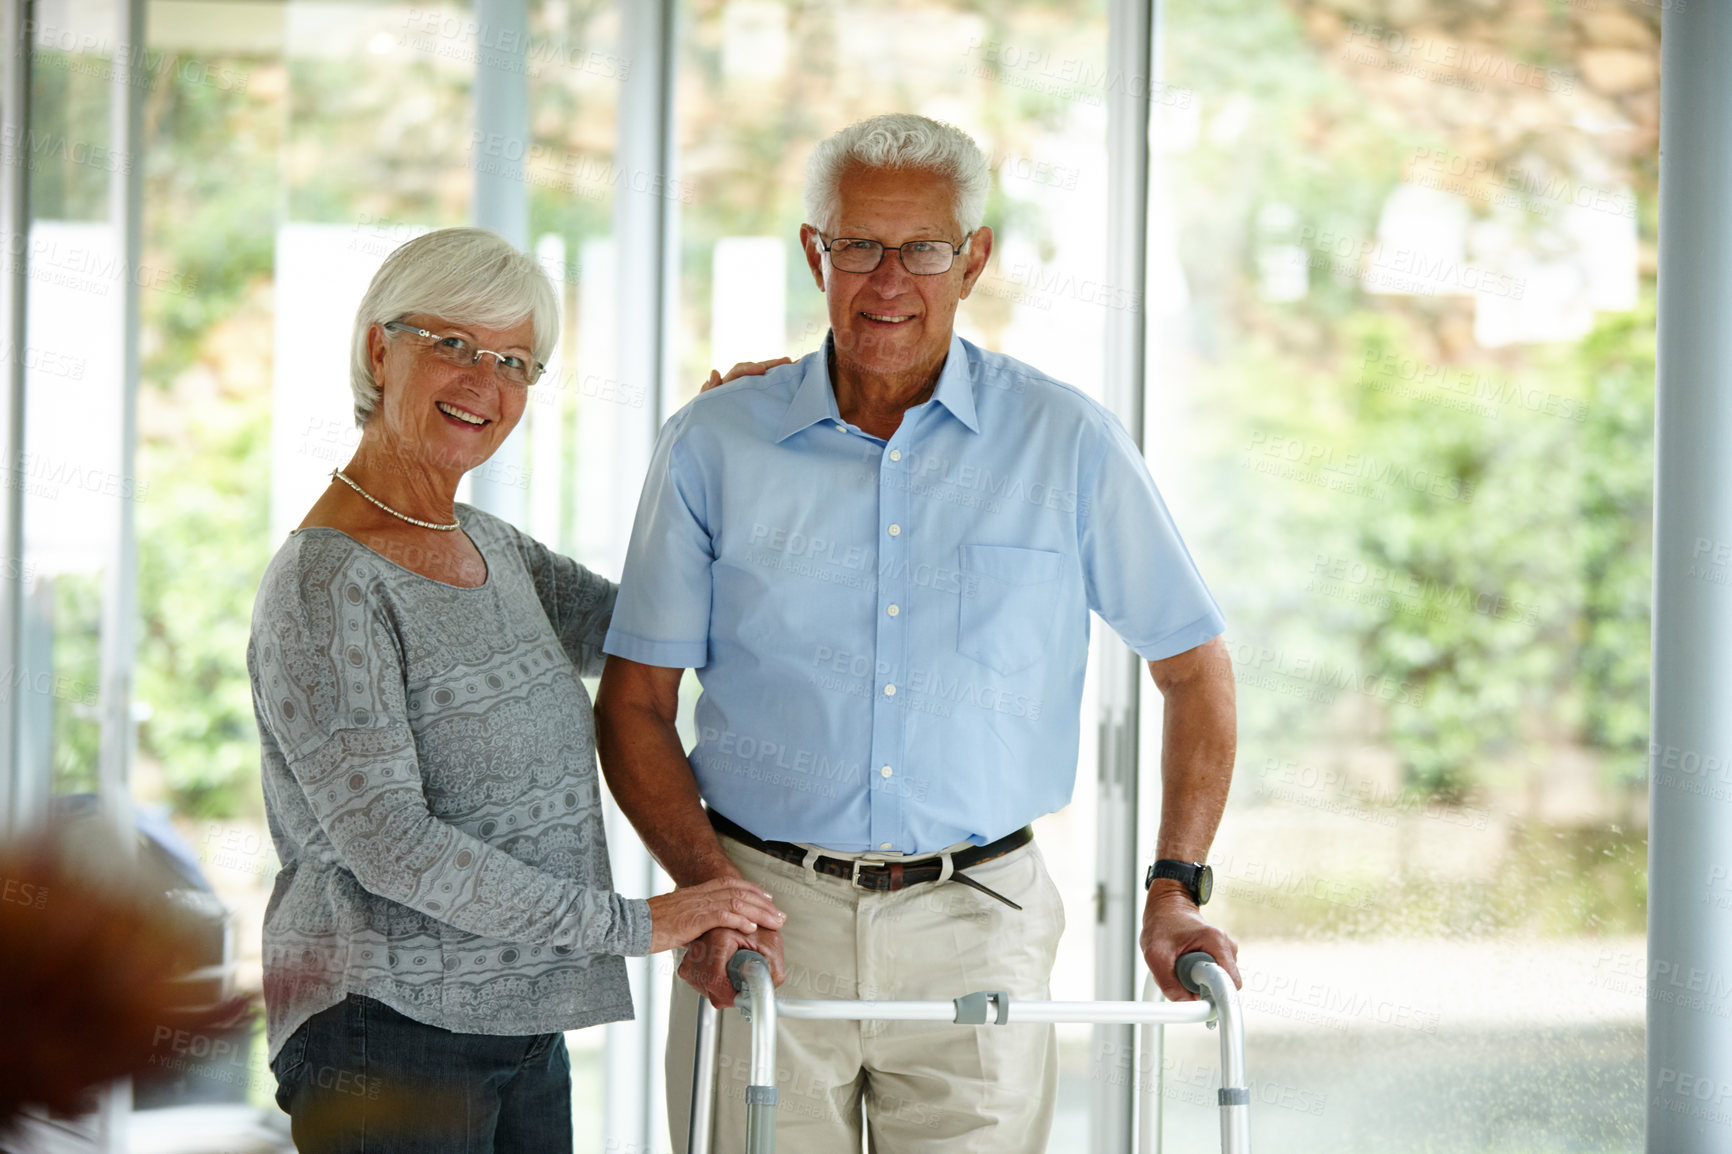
[360,1078]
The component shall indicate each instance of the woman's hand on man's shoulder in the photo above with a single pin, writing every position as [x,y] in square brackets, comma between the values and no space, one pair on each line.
[743,369]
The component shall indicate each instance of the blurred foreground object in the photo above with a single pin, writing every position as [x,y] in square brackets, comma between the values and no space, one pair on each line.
[93,962]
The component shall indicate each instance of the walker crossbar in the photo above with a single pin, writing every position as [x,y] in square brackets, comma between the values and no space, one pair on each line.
[1198,972]
[1010,1012]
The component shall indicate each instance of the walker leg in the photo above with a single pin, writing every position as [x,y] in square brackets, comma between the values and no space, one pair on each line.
[1235,1095]
[1201,974]
[701,1133]
[750,974]
[1149,1091]
[760,1123]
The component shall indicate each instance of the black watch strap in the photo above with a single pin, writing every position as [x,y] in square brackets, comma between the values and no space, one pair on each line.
[1196,877]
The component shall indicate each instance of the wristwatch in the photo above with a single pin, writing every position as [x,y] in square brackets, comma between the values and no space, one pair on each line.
[1197,878]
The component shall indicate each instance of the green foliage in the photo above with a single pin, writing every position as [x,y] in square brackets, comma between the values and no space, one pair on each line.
[1438,549]
[1557,881]
[204,451]
[400,129]
[1616,526]
[211,202]
[75,608]
[68,127]
[201,552]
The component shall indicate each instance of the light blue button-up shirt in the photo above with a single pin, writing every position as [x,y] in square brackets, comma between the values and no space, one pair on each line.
[891,635]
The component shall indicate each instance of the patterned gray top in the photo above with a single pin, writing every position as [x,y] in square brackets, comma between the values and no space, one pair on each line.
[430,782]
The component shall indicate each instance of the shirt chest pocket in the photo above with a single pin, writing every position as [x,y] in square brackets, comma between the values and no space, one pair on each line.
[1007,607]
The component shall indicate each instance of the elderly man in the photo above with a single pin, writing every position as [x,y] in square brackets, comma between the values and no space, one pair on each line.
[881,560]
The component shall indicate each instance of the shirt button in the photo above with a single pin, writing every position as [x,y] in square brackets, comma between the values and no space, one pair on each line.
[889,691]
[840,427]
[884,771]
[894,610]
[895,454]
[883,845]
[896,530]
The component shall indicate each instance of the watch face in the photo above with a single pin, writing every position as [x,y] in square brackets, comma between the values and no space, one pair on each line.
[1205,885]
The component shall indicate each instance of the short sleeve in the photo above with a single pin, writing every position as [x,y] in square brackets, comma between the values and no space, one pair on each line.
[1139,576]
[663,613]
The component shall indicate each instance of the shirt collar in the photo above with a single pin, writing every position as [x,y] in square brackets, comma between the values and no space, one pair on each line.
[815,400]
[955,390]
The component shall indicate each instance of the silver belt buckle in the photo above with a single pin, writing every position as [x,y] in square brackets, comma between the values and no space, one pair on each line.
[854,878]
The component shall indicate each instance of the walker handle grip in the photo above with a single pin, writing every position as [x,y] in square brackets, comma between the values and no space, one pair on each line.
[1185,970]
[737,966]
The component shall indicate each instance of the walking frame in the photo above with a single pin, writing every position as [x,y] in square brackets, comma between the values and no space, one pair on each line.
[1218,1006]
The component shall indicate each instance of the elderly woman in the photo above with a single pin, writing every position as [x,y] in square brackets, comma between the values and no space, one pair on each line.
[445,907]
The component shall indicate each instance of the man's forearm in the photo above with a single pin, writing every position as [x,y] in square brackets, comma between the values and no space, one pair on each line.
[649,776]
[1199,737]
[1197,744]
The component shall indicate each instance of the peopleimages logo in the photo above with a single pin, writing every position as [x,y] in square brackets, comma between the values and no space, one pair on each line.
[1295,458]
[46,683]
[1329,1006]
[1314,679]
[1401,269]
[23,893]
[87,269]
[562,170]
[1467,385]
[30,147]
[440,33]
[46,361]
[1476,177]
[1350,579]
[45,476]
[1038,69]
[1451,61]
[83,53]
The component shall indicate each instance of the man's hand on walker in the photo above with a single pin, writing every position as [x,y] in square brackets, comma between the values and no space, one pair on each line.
[705,966]
[743,369]
[1173,927]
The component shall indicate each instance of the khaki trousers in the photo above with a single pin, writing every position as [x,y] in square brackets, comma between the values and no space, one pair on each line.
[916,1087]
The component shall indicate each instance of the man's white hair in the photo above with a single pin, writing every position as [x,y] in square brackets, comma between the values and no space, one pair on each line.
[898,140]
[467,276]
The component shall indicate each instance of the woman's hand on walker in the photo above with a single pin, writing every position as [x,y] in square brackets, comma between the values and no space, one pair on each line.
[692,911]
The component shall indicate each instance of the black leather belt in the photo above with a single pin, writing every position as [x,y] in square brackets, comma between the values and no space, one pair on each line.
[885,875]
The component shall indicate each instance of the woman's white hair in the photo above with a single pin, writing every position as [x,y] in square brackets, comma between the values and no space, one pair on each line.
[467,276]
[898,140]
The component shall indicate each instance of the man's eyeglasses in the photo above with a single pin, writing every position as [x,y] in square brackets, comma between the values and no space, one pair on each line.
[460,351]
[919,257]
